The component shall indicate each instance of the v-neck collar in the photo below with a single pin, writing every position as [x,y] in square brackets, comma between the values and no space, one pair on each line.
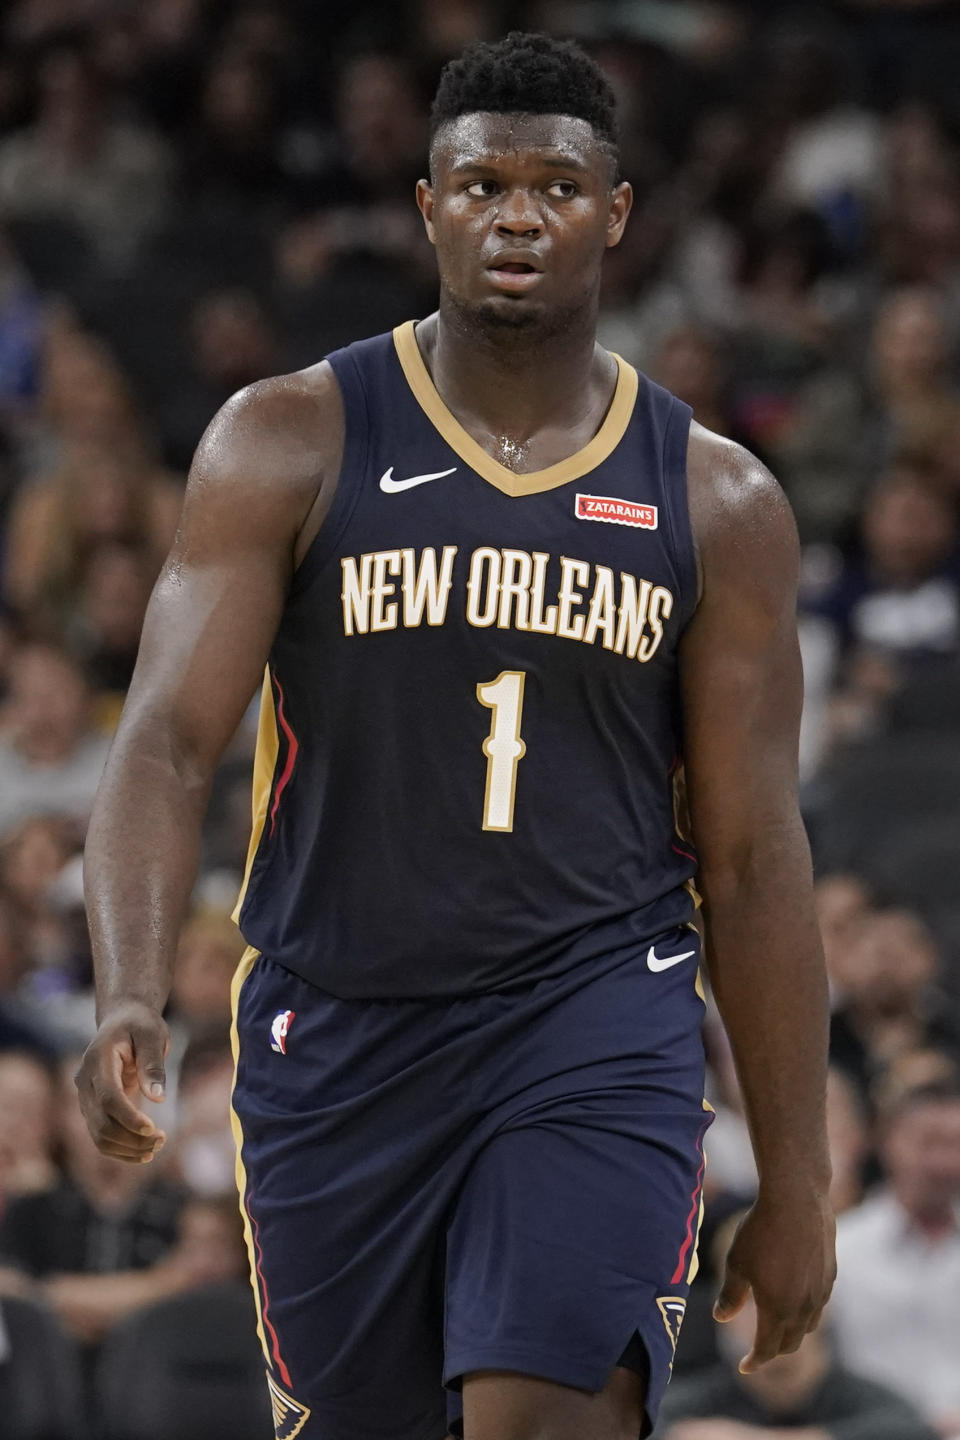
[605,441]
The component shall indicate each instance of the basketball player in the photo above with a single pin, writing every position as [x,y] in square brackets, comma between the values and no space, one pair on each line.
[502,587]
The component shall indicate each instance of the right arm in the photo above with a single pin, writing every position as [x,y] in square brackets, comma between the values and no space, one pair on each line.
[260,483]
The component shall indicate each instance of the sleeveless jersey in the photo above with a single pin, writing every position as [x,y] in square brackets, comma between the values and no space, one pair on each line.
[468,767]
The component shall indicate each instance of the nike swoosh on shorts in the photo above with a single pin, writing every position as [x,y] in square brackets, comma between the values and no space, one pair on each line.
[656,964]
[389,486]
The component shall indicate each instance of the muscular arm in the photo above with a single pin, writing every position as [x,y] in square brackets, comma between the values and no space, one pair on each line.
[742,692]
[258,487]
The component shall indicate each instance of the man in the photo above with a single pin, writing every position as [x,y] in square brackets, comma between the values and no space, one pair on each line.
[51,757]
[896,1312]
[803,1396]
[469,1061]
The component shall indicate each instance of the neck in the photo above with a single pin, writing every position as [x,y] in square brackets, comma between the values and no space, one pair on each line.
[514,379]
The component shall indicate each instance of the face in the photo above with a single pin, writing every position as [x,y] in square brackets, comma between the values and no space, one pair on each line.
[909,341]
[922,1154]
[521,209]
[33,859]
[26,1107]
[49,700]
[206,960]
[890,960]
[908,528]
[842,904]
[687,365]
[116,589]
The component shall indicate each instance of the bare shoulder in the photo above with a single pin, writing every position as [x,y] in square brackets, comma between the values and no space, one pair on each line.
[276,430]
[743,526]
[266,469]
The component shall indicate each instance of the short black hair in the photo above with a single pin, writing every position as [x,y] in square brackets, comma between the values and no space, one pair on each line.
[528,74]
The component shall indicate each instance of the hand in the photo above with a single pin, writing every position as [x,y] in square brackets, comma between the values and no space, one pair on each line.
[783,1251]
[124,1059]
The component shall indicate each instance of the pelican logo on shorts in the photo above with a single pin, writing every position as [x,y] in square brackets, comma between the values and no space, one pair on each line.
[289,1416]
[278,1031]
[672,1310]
[616,512]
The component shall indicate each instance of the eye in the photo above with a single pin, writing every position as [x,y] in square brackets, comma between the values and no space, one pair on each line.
[563,189]
[481,189]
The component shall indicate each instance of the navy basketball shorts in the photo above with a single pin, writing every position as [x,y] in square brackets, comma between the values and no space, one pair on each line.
[507,1181]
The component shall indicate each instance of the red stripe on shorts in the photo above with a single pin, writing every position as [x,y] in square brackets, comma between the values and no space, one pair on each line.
[265,1298]
[677,1277]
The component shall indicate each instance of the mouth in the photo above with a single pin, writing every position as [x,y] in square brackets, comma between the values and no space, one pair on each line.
[514,277]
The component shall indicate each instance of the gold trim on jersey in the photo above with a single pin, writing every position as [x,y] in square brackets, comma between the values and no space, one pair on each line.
[597,450]
[264,765]
[250,956]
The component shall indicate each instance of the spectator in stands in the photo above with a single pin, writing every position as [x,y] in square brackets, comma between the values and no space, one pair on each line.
[690,363]
[914,1070]
[232,159]
[896,1306]
[887,1003]
[22,327]
[848,1138]
[362,252]
[852,424]
[27,1165]
[103,632]
[203,1152]
[35,861]
[76,164]
[104,485]
[208,954]
[808,1394]
[51,758]
[902,596]
[210,1246]
[232,344]
[842,902]
[19,1029]
[96,1244]
[199,1016]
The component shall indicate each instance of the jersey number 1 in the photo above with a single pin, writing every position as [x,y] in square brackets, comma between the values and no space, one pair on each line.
[503,747]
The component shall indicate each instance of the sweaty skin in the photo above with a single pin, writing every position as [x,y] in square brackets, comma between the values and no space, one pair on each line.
[262,479]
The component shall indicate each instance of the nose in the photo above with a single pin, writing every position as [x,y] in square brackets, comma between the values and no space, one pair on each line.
[518,215]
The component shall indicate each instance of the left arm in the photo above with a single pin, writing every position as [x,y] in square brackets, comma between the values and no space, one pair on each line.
[741,687]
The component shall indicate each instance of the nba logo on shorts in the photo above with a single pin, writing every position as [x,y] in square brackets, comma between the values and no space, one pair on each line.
[278,1031]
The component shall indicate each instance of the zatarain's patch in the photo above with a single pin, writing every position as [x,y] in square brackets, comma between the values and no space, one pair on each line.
[616,512]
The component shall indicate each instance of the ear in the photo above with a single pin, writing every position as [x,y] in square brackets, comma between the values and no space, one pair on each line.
[425,206]
[621,201]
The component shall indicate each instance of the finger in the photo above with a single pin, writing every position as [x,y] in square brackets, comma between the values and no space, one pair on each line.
[149,1050]
[767,1342]
[793,1336]
[122,1152]
[115,1104]
[733,1294]
[112,1131]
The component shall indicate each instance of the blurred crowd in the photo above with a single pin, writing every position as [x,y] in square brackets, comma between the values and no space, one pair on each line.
[197,193]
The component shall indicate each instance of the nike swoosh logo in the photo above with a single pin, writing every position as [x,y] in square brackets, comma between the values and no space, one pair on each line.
[389,486]
[655,963]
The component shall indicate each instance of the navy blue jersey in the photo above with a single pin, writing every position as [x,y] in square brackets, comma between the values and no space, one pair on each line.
[469,759]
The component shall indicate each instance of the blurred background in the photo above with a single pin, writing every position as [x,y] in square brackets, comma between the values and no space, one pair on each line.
[198,193]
